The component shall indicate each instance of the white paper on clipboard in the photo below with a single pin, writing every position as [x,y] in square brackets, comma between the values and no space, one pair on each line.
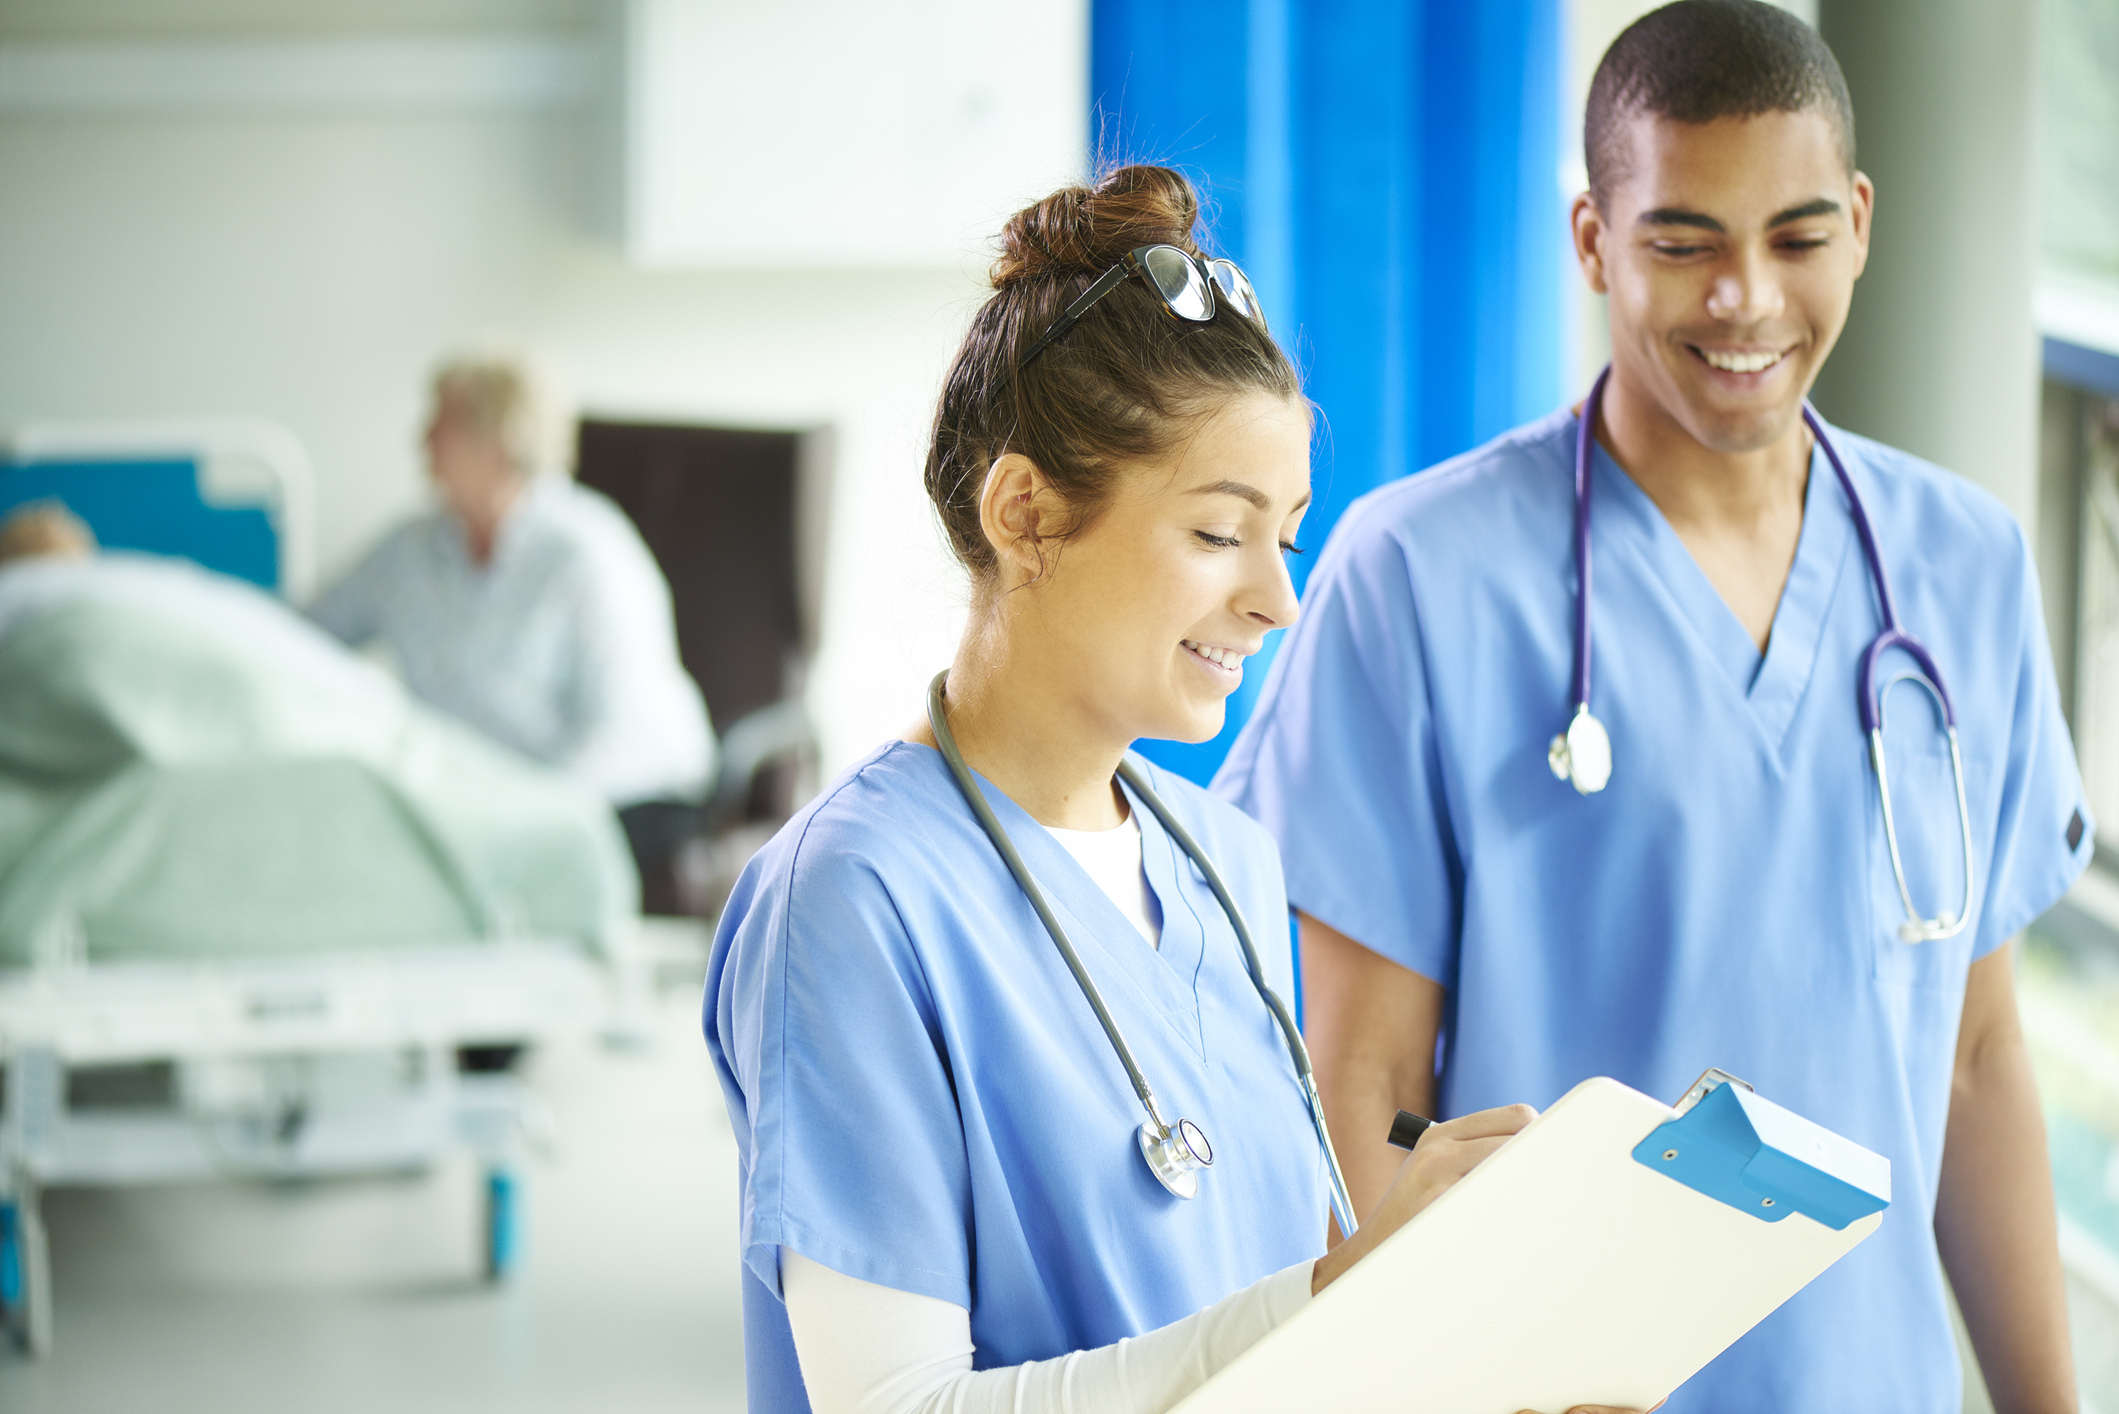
[1559,1272]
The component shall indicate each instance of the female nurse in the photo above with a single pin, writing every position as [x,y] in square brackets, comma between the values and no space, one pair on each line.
[944,1203]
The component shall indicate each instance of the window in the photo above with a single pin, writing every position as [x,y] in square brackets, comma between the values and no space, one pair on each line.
[2068,981]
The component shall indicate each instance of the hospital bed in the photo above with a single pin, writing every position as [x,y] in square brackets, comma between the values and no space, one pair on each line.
[151,1034]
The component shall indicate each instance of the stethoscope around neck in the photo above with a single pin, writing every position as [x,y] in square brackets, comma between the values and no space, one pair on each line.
[1581,755]
[1176,1152]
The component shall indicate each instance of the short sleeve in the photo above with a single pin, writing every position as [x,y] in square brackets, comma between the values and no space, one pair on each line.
[1339,762]
[2043,831]
[830,1050]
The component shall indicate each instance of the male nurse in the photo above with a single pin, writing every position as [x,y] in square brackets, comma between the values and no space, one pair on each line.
[1476,931]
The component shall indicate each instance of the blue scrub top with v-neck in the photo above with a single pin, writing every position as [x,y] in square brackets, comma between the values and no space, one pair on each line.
[1727,900]
[923,1098]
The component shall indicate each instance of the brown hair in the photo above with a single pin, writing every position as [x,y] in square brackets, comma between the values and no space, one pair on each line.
[1123,385]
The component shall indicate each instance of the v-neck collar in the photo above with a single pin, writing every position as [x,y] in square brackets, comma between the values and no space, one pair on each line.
[1166,977]
[1770,684]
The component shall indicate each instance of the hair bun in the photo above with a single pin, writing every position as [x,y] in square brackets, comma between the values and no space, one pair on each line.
[1085,230]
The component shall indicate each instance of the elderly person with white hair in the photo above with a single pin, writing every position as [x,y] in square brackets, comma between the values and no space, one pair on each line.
[526,605]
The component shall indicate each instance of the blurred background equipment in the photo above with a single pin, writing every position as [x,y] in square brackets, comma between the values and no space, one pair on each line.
[737,521]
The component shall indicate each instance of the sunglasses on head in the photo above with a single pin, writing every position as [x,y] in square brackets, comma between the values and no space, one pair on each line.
[1188,286]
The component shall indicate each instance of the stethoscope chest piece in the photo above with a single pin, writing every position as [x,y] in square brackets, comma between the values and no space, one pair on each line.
[1581,755]
[1176,1154]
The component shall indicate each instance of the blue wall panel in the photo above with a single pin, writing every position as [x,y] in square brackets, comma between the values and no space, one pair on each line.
[1387,171]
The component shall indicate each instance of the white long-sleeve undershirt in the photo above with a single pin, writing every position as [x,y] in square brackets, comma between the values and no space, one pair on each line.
[870,1349]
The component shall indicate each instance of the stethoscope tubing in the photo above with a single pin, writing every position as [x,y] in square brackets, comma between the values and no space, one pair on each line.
[1305,1074]
[1869,700]
[1585,434]
[1342,1203]
[938,718]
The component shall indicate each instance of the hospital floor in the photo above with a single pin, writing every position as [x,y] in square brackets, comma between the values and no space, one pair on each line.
[363,1295]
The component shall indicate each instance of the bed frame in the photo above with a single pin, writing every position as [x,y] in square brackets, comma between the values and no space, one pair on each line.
[130,1073]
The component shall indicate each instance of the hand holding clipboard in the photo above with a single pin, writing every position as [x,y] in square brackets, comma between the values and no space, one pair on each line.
[1691,1223]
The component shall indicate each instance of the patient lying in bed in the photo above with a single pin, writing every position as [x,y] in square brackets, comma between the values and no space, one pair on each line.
[188,768]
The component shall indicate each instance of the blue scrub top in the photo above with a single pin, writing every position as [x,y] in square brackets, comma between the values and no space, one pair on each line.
[1727,900]
[922,1097]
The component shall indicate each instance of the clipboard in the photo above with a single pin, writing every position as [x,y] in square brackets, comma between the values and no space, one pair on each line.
[1602,1256]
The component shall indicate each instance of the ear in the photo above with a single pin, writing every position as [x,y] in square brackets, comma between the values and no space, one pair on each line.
[1012,502]
[1589,235]
[1862,212]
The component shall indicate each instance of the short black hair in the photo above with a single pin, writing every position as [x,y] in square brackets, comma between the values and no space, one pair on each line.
[1699,60]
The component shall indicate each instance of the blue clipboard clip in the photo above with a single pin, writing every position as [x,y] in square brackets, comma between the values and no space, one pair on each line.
[1739,1148]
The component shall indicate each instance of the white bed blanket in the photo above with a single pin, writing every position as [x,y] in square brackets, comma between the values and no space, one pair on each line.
[188,769]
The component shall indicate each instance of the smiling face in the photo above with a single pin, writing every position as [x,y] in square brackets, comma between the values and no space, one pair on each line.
[1145,615]
[1729,251]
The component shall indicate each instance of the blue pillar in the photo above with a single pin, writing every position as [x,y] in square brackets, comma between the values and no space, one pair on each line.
[1388,173]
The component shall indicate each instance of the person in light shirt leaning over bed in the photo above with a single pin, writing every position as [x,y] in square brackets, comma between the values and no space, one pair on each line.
[527,605]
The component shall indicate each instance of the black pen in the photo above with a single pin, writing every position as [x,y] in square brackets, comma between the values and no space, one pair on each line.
[1407,1128]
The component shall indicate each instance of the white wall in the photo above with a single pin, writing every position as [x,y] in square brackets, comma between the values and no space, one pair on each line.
[935,120]
[308,267]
